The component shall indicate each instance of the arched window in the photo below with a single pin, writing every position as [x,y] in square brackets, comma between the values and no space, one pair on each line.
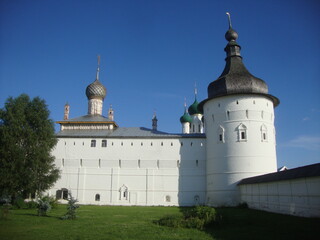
[264,133]
[221,134]
[124,195]
[97,197]
[242,133]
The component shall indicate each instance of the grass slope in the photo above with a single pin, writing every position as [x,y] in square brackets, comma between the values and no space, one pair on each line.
[113,222]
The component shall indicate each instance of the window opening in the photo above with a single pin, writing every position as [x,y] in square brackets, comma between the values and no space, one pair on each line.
[97,197]
[168,198]
[242,133]
[93,143]
[104,143]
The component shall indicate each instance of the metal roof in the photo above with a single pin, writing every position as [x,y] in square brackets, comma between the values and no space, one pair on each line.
[122,132]
[88,118]
[300,172]
[235,78]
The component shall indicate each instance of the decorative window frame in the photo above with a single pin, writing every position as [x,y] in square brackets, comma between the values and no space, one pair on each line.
[242,133]
[221,138]
[264,133]
[124,193]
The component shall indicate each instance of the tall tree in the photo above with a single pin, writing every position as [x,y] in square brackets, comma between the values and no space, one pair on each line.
[26,140]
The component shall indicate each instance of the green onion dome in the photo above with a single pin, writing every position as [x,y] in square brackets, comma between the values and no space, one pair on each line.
[186,117]
[193,109]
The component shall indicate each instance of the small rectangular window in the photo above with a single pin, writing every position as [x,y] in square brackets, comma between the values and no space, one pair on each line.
[243,135]
[104,143]
[220,137]
[93,143]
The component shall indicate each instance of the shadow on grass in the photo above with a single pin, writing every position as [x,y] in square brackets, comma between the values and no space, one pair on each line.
[243,223]
[36,215]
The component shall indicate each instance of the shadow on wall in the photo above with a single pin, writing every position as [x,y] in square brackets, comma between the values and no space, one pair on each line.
[192,178]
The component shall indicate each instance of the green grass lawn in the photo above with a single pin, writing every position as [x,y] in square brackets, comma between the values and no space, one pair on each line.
[114,222]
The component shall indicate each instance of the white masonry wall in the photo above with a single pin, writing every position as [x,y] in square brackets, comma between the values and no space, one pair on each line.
[154,171]
[241,135]
[300,197]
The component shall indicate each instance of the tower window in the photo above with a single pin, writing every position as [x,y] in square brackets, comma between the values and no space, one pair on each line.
[178,163]
[141,143]
[171,144]
[221,134]
[197,163]
[242,133]
[161,143]
[104,143]
[93,143]
[80,162]
[264,133]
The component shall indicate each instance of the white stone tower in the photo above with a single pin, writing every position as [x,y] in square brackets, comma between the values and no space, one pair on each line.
[96,93]
[66,111]
[239,120]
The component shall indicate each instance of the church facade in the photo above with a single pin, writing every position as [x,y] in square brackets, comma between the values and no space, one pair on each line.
[225,138]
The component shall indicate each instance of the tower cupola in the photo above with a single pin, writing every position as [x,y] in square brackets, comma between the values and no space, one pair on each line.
[235,78]
[96,93]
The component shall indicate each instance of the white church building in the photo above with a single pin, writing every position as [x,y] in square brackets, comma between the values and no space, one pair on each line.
[225,138]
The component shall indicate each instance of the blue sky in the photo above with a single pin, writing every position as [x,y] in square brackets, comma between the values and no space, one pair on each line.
[153,52]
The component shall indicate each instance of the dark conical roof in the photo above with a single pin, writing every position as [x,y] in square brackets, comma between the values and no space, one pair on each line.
[235,78]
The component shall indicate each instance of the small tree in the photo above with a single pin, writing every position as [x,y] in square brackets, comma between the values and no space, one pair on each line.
[43,207]
[71,208]
[26,140]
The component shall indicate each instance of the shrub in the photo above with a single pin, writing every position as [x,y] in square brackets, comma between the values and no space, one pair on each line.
[6,210]
[71,208]
[43,207]
[197,217]
[243,205]
[174,221]
[19,203]
[51,200]
[32,204]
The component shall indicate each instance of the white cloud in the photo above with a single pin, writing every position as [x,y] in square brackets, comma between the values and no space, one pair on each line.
[306,142]
[305,119]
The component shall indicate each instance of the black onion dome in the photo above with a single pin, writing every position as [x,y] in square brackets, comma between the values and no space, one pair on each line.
[96,90]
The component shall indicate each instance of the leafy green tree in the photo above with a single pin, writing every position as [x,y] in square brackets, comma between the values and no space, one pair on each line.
[26,140]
